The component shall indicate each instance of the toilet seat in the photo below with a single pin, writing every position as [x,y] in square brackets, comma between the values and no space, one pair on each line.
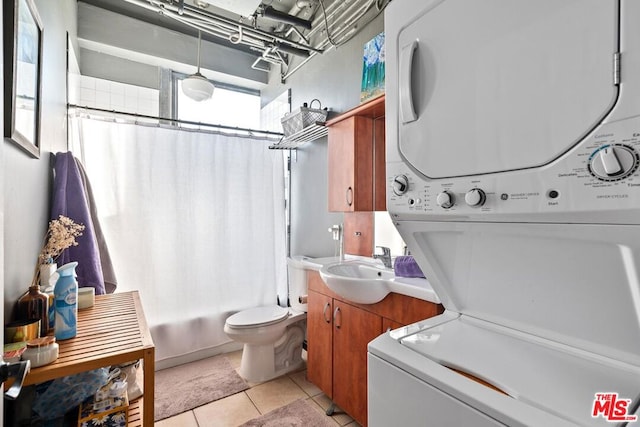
[258,316]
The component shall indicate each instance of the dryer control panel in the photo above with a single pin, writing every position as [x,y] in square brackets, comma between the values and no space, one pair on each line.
[601,174]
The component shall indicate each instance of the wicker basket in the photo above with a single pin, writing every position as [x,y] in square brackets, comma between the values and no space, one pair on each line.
[303,117]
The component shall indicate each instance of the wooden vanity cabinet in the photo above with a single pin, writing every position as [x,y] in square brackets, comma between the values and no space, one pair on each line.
[338,333]
[320,335]
[353,329]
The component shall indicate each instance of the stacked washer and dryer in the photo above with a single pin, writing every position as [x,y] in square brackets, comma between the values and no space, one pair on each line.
[513,145]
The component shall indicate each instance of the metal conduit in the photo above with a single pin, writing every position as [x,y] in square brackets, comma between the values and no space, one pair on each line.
[339,25]
[229,24]
[222,33]
[336,35]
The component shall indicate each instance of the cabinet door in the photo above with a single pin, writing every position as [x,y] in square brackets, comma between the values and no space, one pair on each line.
[319,340]
[351,165]
[353,329]
[379,166]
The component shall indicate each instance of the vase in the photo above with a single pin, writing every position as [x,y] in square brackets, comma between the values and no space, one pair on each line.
[46,271]
[48,277]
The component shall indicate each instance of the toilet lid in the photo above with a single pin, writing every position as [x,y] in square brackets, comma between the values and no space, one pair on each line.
[258,316]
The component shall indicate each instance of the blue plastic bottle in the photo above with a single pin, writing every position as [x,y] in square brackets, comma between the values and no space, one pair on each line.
[66,297]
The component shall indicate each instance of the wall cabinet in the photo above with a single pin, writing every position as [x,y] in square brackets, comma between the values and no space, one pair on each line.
[356,159]
[350,165]
[338,333]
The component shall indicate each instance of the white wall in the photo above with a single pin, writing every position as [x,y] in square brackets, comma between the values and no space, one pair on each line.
[334,78]
[27,181]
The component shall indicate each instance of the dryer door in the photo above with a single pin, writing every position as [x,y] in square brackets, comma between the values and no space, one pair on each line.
[501,85]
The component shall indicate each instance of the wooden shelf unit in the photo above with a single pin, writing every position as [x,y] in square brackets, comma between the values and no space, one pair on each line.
[111,332]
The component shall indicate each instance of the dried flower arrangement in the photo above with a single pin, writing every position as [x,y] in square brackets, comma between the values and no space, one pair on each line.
[61,235]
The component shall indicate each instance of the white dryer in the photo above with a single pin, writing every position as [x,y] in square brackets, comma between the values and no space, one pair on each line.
[513,153]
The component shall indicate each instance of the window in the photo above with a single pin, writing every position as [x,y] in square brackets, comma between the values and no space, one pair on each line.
[229,106]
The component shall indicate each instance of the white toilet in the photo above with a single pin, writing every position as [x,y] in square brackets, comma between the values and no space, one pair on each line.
[273,335]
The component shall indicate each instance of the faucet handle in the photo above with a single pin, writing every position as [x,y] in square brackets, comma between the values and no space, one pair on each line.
[336,231]
[385,250]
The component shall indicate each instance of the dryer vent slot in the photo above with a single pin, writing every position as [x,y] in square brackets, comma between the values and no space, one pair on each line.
[478,380]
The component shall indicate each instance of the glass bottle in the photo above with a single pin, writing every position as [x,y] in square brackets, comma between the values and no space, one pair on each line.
[34,305]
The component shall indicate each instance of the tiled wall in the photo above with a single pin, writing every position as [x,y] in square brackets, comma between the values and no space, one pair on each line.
[108,95]
[271,113]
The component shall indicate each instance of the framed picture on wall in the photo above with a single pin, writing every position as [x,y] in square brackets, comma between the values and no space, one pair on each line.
[373,72]
[22,74]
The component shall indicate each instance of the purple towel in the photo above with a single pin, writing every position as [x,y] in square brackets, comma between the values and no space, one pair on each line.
[406,266]
[69,200]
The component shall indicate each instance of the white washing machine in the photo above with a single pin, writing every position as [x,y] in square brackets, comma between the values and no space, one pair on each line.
[513,146]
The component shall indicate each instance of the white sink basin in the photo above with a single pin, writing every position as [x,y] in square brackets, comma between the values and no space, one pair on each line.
[358,281]
[367,283]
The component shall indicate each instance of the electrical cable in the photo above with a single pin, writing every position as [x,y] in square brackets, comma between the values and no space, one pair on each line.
[381,4]
[326,25]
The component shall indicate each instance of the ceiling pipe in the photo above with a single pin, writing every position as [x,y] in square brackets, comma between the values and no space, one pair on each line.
[223,32]
[294,11]
[171,11]
[336,8]
[340,33]
[270,12]
[293,51]
[298,33]
[341,16]
[273,37]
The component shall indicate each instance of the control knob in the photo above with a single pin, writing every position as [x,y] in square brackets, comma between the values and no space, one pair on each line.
[613,162]
[445,200]
[475,197]
[400,184]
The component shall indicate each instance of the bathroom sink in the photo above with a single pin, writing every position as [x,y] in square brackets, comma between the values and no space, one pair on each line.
[368,283]
[358,281]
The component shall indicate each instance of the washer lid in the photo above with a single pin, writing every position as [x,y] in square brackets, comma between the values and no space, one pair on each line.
[497,85]
[576,284]
[258,316]
[544,374]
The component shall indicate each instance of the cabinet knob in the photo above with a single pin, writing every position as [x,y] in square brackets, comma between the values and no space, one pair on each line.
[335,317]
[324,313]
[349,196]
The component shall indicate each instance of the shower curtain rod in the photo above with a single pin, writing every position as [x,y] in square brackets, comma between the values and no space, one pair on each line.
[176,121]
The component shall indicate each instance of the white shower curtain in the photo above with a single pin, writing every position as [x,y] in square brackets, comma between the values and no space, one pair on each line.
[194,221]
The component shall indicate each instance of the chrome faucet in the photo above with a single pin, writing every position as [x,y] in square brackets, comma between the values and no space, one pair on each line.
[385,256]
[337,231]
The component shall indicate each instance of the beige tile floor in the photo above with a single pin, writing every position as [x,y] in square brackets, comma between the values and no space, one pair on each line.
[255,401]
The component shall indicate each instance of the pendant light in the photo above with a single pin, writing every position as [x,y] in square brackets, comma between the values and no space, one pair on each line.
[196,86]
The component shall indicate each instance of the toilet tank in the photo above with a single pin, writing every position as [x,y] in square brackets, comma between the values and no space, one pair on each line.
[297,282]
